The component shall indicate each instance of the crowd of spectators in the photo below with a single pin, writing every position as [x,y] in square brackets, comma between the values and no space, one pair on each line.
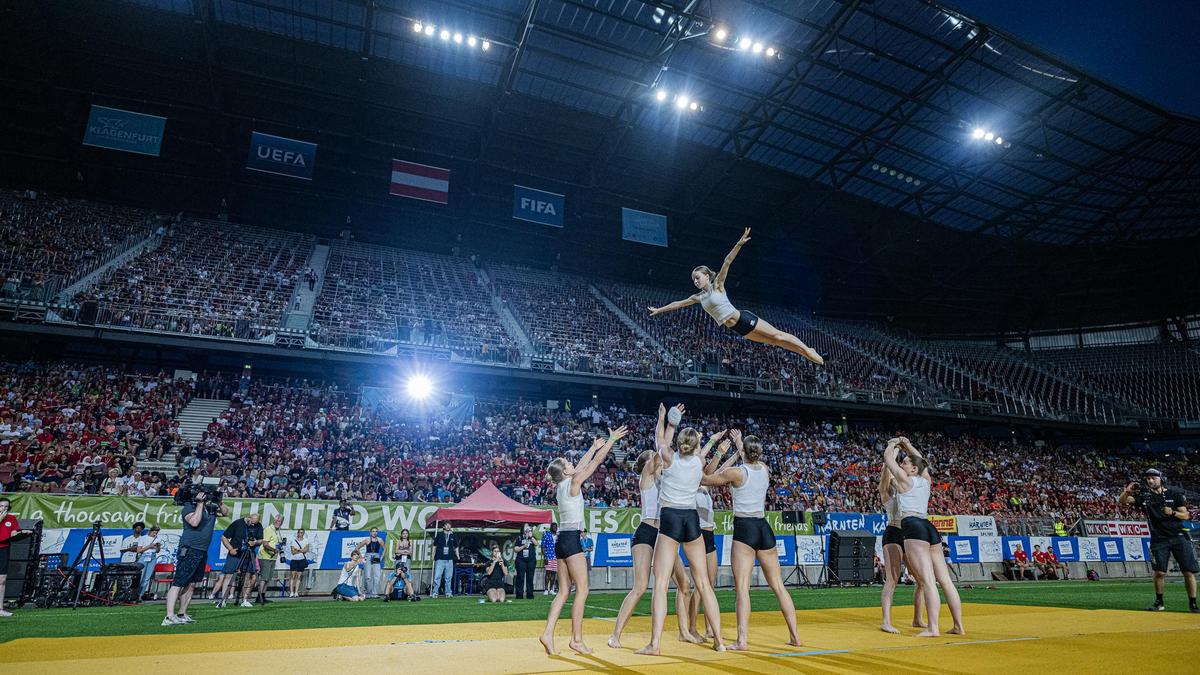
[206,278]
[85,430]
[51,239]
[374,297]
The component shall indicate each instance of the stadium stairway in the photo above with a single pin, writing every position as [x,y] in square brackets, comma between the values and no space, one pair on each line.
[507,319]
[634,326]
[194,418]
[300,309]
[134,249]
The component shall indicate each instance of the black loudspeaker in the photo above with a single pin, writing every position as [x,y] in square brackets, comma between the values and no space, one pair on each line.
[851,557]
[118,583]
[820,518]
[22,561]
[88,311]
[793,517]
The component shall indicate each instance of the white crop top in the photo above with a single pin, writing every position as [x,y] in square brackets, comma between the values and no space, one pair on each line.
[677,489]
[570,509]
[891,509]
[704,506]
[650,503]
[751,498]
[717,304]
[915,502]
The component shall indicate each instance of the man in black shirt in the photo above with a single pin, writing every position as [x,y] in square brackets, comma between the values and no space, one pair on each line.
[342,515]
[1165,509]
[445,552]
[526,552]
[241,541]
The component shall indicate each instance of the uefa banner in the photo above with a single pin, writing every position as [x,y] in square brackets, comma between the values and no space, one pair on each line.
[281,156]
[124,130]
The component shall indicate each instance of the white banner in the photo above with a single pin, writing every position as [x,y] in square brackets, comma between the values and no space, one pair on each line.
[1134,552]
[809,549]
[991,550]
[983,526]
[1116,528]
[1089,549]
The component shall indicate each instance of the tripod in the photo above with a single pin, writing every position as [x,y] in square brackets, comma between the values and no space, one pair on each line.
[87,555]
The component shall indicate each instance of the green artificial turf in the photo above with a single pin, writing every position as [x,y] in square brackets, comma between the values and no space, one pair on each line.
[322,613]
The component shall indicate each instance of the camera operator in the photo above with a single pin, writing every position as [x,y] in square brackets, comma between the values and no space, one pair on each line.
[239,540]
[198,521]
[1165,509]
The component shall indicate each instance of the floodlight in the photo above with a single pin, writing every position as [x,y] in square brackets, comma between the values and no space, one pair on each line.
[681,102]
[471,41]
[770,52]
[757,48]
[989,136]
[429,30]
[721,34]
[486,45]
[660,95]
[977,133]
[419,387]
[999,141]
[417,27]
[458,38]
[745,43]
[445,34]
[693,106]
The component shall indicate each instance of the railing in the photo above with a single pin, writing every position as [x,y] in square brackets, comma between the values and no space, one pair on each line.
[175,321]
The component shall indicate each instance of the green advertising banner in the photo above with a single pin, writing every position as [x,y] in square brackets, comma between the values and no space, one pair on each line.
[61,511]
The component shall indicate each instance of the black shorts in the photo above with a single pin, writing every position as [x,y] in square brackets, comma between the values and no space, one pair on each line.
[645,534]
[567,544]
[490,584]
[4,554]
[1180,546]
[297,565]
[682,525]
[189,567]
[754,532]
[710,541]
[893,535]
[920,529]
[745,323]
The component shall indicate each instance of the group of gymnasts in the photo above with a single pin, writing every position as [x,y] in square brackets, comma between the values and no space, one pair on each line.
[675,479]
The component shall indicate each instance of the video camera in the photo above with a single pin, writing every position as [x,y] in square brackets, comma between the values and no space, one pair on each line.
[189,493]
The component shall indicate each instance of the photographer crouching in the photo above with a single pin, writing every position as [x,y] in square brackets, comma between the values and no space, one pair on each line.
[199,517]
[1166,510]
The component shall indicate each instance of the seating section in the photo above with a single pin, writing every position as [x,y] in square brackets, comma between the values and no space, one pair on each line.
[568,323]
[45,241]
[1158,380]
[293,439]
[375,294]
[206,278]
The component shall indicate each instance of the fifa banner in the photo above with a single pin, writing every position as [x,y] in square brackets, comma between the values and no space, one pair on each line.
[538,206]
[646,228]
[281,156]
[123,130]
[1116,528]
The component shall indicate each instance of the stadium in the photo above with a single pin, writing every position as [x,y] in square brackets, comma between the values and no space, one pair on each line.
[345,335]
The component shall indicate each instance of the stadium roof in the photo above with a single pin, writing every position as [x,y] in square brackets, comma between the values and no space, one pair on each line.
[875,98]
[850,150]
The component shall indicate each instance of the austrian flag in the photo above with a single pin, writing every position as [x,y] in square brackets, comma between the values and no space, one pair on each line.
[420,181]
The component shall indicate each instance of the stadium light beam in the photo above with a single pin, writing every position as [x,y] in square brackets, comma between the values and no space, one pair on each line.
[681,102]
[486,45]
[458,38]
[419,387]
[693,106]
[771,52]
[721,34]
[418,27]
[978,133]
[999,141]
[660,95]
[471,41]
[745,43]
[429,30]
[757,48]
[445,34]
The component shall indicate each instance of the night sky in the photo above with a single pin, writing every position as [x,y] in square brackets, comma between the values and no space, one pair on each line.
[1150,49]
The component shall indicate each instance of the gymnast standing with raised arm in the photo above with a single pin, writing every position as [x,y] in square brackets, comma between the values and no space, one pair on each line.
[715,301]
[708,525]
[648,469]
[893,556]
[679,524]
[922,541]
[753,538]
[572,568]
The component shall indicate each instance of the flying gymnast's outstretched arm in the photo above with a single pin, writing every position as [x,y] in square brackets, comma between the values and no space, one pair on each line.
[678,304]
[719,283]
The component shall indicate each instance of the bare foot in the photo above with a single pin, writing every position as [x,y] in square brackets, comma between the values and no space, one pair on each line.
[918,624]
[579,647]
[795,642]
[548,645]
[719,647]
[614,642]
[694,639]
[928,633]
[889,628]
[648,650]
[957,630]
[738,646]
[708,634]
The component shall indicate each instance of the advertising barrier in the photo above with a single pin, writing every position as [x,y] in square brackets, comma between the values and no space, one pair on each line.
[1116,528]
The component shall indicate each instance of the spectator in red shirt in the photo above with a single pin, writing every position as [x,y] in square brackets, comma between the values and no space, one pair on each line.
[1056,564]
[9,530]
[1020,562]
[1042,560]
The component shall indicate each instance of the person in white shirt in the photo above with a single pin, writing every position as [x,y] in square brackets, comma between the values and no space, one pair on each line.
[148,545]
[129,544]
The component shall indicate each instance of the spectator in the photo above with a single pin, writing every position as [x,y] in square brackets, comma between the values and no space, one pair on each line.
[445,554]
[550,577]
[494,576]
[373,558]
[526,563]
[298,562]
[148,545]
[585,542]
[268,557]
[400,577]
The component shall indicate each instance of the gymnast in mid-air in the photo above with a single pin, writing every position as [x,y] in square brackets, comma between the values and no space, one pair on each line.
[716,303]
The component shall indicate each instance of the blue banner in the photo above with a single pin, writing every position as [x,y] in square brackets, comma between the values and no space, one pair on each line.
[538,206]
[1111,549]
[646,228]
[963,549]
[1010,544]
[282,156]
[875,523]
[123,130]
[613,550]
[1066,548]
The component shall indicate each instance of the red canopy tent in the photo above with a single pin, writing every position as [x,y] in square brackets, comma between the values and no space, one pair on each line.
[488,507]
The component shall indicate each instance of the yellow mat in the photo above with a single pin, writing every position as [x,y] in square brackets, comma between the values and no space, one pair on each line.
[1000,639]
